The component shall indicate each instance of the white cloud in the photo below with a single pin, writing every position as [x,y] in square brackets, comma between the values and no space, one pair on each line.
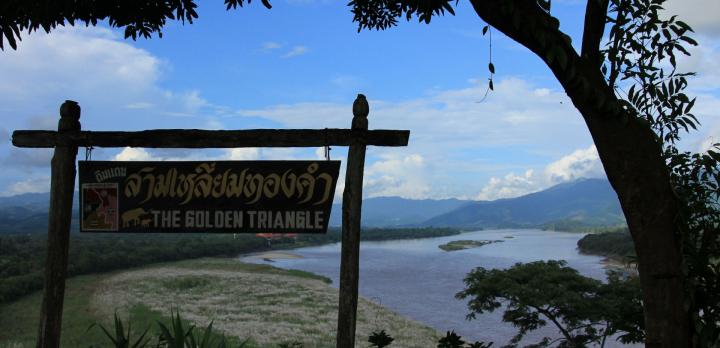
[705,62]
[5,136]
[43,122]
[511,185]
[702,15]
[91,61]
[296,51]
[96,68]
[396,175]
[706,110]
[538,123]
[709,143]
[712,138]
[31,185]
[133,154]
[243,154]
[454,118]
[460,141]
[269,46]
[115,83]
[235,154]
[582,163]
[139,105]
[27,159]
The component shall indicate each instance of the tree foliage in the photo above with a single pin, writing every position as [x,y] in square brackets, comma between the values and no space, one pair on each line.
[383,14]
[640,45]
[138,18]
[641,55]
[22,256]
[616,244]
[584,310]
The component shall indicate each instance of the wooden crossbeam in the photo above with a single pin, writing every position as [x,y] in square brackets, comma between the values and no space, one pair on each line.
[69,137]
[196,138]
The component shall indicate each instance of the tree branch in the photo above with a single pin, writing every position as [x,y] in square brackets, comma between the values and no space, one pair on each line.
[525,22]
[595,13]
[548,314]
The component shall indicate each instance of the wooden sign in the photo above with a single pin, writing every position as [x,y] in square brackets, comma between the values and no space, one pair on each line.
[207,196]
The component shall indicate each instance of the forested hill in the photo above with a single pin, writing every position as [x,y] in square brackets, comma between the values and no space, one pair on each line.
[28,213]
[586,202]
[398,212]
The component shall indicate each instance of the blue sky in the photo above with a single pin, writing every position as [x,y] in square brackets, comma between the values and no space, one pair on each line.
[301,64]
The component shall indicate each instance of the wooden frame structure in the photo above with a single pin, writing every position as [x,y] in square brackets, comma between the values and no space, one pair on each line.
[69,137]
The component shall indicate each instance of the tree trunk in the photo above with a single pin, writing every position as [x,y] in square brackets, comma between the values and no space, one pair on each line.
[632,160]
[631,154]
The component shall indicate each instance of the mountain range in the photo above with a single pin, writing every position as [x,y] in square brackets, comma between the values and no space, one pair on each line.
[581,203]
[576,204]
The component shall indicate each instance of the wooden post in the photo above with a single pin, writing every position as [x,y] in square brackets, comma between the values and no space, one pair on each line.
[62,187]
[352,204]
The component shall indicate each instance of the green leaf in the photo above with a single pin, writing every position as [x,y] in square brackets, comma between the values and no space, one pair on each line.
[689,40]
[380,339]
[714,155]
[10,37]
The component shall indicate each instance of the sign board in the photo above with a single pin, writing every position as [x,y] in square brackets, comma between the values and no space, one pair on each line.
[207,196]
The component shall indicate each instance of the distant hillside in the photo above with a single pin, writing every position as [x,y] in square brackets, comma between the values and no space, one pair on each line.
[28,213]
[577,205]
[398,212]
[31,201]
[588,202]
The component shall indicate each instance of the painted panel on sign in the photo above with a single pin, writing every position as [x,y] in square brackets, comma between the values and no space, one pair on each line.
[207,196]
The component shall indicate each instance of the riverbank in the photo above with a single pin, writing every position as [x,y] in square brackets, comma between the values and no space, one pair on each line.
[268,305]
[273,255]
[620,265]
[21,255]
[419,280]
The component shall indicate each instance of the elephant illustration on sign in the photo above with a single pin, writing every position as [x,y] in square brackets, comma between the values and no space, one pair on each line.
[132,217]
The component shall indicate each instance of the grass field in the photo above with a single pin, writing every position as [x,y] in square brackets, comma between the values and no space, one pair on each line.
[265,304]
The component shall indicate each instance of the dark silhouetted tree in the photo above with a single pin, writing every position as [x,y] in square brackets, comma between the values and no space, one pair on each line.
[584,310]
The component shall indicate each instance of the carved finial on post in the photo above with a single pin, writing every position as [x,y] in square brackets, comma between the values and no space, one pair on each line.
[69,116]
[62,188]
[361,109]
[351,213]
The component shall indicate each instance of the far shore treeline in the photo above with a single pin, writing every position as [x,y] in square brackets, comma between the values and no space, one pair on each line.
[616,244]
[22,256]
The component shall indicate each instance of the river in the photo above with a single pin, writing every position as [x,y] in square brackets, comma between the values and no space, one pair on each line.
[419,280]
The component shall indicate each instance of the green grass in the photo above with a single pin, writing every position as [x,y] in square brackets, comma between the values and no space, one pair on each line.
[19,320]
[224,265]
[185,283]
[144,317]
[308,305]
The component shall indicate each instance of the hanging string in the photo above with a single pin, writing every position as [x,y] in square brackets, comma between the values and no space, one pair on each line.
[491,66]
[88,153]
[327,147]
